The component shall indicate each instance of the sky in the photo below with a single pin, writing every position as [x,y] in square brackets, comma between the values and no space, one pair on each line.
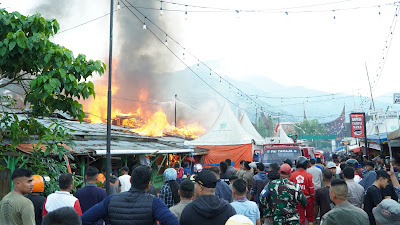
[318,44]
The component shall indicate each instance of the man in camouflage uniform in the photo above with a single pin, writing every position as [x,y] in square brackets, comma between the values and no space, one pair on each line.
[281,199]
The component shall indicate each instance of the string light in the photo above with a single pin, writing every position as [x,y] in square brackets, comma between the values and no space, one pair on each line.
[144,24]
[118,6]
[238,94]
[379,10]
[210,74]
[183,54]
[186,13]
[161,11]
[220,81]
[166,39]
[334,16]
[333,99]
[230,89]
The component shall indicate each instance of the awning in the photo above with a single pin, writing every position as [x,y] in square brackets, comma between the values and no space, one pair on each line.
[340,148]
[355,148]
[394,135]
[383,137]
[147,151]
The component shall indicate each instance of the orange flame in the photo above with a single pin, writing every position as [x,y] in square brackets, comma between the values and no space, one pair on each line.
[142,120]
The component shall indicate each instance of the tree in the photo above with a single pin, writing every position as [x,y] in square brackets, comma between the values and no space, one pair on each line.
[57,80]
[310,127]
[51,77]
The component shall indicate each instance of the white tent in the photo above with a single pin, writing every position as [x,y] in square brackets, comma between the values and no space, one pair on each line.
[225,131]
[248,126]
[226,139]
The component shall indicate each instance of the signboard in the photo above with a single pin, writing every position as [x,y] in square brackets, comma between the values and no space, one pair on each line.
[396,98]
[357,124]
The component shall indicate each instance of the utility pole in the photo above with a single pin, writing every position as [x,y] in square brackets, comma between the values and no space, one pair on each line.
[176,96]
[108,157]
[373,105]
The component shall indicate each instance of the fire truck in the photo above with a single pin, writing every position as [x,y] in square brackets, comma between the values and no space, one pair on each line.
[276,153]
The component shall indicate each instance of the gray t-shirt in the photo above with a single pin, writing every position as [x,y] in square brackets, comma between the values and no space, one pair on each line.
[16,209]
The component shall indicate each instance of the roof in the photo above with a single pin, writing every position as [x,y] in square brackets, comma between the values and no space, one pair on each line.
[91,137]
[225,131]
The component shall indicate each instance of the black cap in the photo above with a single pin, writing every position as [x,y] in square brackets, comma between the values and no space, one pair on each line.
[233,177]
[382,173]
[206,178]
[125,168]
[288,161]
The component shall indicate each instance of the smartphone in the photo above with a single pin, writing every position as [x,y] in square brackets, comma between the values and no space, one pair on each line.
[387,165]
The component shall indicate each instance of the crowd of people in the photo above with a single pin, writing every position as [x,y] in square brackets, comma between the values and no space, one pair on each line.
[344,191]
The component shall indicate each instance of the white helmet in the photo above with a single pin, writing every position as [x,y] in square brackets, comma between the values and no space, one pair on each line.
[197,168]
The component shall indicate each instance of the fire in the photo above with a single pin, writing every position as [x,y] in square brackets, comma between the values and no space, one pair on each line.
[142,120]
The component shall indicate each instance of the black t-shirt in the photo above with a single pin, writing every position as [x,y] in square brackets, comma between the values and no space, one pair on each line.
[372,198]
[38,202]
[322,199]
[224,177]
[389,191]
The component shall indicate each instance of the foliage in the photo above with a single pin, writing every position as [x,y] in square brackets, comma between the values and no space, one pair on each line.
[266,126]
[53,79]
[57,78]
[310,127]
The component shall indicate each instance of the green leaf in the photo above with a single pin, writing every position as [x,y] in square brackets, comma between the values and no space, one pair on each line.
[53,82]
[3,51]
[71,77]
[47,58]
[11,45]
[62,73]
[21,42]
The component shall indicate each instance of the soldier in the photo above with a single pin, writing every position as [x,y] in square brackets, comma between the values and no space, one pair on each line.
[282,198]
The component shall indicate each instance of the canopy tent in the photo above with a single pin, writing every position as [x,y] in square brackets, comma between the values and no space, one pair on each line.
[355,148]
[383,137]
[226,139]
[395,135]
[248,126]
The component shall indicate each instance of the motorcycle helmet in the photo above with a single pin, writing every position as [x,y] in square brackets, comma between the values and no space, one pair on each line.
[197,168]
[353,163]
[302,162]
[38,183]
[170,174]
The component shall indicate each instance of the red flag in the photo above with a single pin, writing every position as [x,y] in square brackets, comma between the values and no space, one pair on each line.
[276,129]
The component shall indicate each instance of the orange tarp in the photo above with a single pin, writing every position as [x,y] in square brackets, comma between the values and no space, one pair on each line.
[236,153]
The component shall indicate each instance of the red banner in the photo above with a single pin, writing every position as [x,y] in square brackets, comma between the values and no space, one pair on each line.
[357,124]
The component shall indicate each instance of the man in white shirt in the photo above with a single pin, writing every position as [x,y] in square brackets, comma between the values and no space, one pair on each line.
[125,179]
[316,174]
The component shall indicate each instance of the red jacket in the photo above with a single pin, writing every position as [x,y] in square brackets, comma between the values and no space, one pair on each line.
[304,179]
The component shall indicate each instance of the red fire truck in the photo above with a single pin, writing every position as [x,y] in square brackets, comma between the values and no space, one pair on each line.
[276,153]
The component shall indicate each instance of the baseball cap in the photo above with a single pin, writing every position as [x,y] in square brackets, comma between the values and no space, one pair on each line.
[125,168]
[206,178]
[382,173]
[238,220]
[387,212]
[285,169]
[331,165]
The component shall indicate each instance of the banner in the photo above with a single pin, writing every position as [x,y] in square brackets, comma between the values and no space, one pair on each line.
[357,124]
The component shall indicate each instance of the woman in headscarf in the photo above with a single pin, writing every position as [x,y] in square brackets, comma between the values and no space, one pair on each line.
[169,191]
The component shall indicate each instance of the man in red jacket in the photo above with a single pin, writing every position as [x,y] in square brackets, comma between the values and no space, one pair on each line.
[304,179]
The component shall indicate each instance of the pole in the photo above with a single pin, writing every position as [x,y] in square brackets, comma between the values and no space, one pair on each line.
[176,96]
[108,157]
[365,134]
[373,105]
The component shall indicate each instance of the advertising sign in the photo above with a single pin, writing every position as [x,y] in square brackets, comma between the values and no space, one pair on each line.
[357,124]
[396,98]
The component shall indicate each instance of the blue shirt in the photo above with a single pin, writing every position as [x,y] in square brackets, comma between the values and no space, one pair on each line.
[100,211]
[368,179]
[223,191]
[247,208]
[90,196]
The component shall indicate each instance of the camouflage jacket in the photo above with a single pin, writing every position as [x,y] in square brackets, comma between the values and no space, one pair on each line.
[282,200]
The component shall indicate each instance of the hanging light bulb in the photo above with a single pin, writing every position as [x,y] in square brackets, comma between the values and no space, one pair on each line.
[166,39]
[183,54]
[186,14]
[333,99]
[287,13]
[237,14]
[161,11]
[238,94]
[334,17]
[220,81]
[144,24]
[247,100]
[307,99]
[230,89]
[198,64]
[251,103]
[257,97]
[379,10]
[118,6]
[210,74]
[241,95]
